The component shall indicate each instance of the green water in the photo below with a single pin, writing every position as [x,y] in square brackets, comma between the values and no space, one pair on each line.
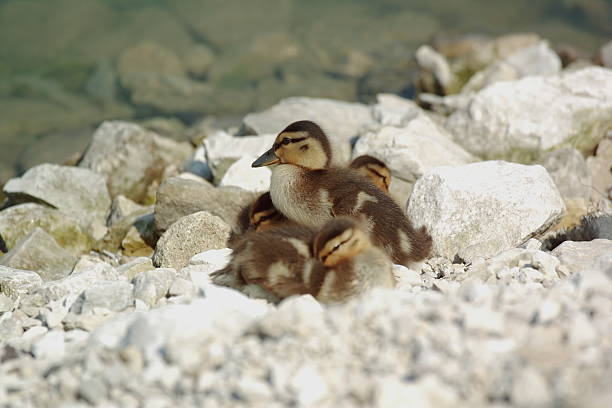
[67,65]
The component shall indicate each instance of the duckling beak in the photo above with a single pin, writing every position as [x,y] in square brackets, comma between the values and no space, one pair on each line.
[266,159]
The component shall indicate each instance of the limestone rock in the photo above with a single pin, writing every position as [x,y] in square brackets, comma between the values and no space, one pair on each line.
[341,120]
[15,282]
[126,155]
[111,295]
[189,236]
[177,197]
[18,221]
[241,174]
[599,166]
[76,191]
[149,57]
[520,120]
[150,286]
[569,171]
[581,256]
[39,252]
[131,269]
[412,150]
[121,208]
[221,147]
[480,209]
[393,110]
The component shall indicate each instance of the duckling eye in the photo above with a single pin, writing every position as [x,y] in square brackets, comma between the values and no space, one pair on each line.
[286,141]
[336,247]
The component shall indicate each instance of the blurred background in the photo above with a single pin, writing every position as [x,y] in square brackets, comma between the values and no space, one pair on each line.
[67,65]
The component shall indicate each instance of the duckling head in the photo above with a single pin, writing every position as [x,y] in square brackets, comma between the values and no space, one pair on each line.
[373,169]
[339,239]
[302,144]
[263,215]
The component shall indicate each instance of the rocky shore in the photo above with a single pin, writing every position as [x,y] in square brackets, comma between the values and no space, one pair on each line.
[105,296]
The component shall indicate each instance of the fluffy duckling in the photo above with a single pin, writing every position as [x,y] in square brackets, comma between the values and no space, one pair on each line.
[258,216]
[351,264]
[373,169]
[308,191]
[277,263]
[269,264]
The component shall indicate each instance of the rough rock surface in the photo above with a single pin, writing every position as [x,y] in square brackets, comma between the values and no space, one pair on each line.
[411,150]
[484,208]
[152,285]
[569,171]
[127,156]
[340,120]
[599,166]
[19,220]
[241,175]
[75,191]
[177,197]
[578,256]
[520,120]
[189,236]
[14,282]
[39,252]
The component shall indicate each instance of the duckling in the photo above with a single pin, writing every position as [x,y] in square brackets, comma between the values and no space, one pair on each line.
[373,169]
[258,216]
[351,264]
[308,191]
[277,263]
[269,264]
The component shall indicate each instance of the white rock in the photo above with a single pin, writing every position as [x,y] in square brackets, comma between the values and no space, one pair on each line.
[606,54]
[427,392]
[241,174]
[111,295]
[434,62]
[34,332]
[134,267]
[412,150]
[480,209]
[75,191]
[223,146]
[483,319]
[15,282]
[529,389]
[340,120]
[393,110]
[521,119]
[309,386]
[406,277]
[581,256]
[548,311]
[213,259]
[150,286]
[50,346]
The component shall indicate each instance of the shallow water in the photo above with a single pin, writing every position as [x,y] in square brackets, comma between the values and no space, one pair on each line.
[67,65]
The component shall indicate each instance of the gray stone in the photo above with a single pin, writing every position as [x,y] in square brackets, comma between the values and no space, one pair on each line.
[126,156]
[73,284]
[393,110]
[111,295]
[177,197]
[520,120]
[39,252]
[51,346]
[599,167]
[150,286]
[341,120]
[149,57]
[76,191]
[6,303]
[189,236]
[123,207]
[530,389]
[102,83]
[431,61]
[480,209]
[198,60]
[9,327]
[93,390]
[582,256]
[15,283]
[569,171]
[131,269]
[182,287]
[221,147]
[18,221]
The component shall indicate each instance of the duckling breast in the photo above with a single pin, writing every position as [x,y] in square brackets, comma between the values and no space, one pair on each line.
[298,198]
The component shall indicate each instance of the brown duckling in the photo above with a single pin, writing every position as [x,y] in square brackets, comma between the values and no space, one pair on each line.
[258,216]
[308,191]
[373,169]
[269,264]
[277,263]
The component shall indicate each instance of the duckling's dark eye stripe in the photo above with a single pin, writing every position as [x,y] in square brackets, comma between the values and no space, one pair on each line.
[295,140]
[376,172]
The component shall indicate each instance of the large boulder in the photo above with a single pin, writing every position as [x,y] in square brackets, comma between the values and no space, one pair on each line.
[481,209]
[75,191]
[241,174]
[520,120]
[341,120]
[18,221]
[39,252]
[189,236]
[177,197]
[130,157]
